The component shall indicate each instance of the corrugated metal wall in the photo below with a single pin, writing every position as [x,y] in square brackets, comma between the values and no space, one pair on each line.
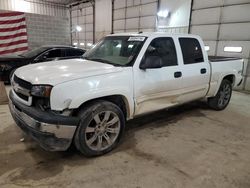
[83,16]
[183,29]
[134,15]
[223,23]
[34,6]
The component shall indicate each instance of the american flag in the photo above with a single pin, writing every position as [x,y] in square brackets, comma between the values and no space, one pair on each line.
[13,34]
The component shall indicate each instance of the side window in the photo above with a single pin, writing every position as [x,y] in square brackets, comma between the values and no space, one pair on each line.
[54,53]
[74,52]
[79,52]
[191,50]
[163,47]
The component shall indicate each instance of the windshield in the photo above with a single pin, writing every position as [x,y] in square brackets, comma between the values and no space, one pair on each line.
[35,52]
[116,50]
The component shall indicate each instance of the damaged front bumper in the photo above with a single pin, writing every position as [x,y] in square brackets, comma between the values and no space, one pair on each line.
[52,132]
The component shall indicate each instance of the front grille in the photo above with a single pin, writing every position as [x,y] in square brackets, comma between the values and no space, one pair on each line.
[21,87]
[24,84]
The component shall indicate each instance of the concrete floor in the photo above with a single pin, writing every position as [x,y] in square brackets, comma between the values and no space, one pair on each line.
[189,146]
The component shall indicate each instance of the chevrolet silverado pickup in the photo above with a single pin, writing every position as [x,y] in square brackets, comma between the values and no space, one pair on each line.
[86,102]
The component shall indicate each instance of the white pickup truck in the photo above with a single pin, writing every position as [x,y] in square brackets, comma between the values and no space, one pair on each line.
[87,101]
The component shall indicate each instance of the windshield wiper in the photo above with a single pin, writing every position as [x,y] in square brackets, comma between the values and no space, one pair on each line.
[101,60]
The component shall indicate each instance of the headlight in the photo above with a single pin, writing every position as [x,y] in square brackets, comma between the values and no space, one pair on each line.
[41,90]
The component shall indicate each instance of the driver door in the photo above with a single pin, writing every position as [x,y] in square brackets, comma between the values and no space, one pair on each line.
[158,88]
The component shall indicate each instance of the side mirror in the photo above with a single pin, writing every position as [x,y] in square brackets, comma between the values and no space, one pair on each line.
[151,62]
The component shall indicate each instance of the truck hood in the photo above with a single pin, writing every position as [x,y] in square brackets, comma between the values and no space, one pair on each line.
[56,72]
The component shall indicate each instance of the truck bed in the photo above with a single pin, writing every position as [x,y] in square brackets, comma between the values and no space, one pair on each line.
[222,66]
[222,58]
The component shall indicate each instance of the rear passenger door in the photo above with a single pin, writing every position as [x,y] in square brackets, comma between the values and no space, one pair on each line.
[195,70]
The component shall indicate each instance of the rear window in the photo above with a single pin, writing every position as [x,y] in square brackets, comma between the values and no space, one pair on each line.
[191,50]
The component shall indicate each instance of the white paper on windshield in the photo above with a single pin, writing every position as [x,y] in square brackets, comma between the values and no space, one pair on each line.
[136,39]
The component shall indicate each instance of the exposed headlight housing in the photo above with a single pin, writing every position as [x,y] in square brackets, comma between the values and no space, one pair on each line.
[41,90]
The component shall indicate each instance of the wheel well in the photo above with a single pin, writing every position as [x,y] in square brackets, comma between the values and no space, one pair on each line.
[119,100]
[230,78]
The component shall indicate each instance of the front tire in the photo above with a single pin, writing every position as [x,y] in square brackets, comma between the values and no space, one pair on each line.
[223,96]
[101,128]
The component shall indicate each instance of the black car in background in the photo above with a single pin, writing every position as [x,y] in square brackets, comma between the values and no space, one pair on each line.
[9,63]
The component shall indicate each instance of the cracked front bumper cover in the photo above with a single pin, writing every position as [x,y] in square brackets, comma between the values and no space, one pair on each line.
[52,132]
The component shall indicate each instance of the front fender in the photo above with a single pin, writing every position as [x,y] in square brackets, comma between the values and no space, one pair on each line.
[72,94]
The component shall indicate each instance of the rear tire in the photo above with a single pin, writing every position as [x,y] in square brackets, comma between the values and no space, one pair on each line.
[223,96]
[101,128]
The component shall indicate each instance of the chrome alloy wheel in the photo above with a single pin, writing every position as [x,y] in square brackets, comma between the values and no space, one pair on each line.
[225,94]
[102,131]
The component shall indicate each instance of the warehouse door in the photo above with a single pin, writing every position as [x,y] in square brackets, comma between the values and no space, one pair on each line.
[82,27]
[224,26]
[134,15]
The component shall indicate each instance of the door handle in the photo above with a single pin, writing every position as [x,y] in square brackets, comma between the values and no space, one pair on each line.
[177,74]
[203,71]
